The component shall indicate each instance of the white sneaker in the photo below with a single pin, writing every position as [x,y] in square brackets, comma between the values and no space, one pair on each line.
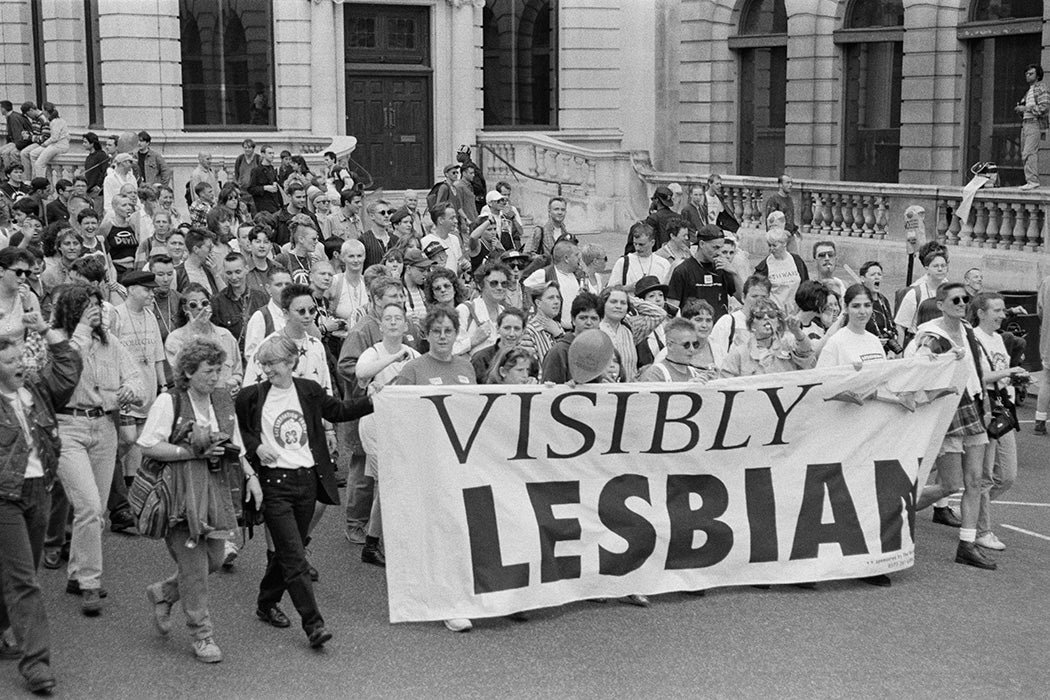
[1029,186]
[207,650]
[989,541]
[459,624]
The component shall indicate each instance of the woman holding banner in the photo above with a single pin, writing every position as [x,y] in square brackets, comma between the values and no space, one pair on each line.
[440,366]
[769,349]
[852,343]
[961,459]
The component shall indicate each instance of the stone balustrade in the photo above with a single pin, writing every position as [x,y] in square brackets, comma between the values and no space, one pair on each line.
[180,152]
[999,219]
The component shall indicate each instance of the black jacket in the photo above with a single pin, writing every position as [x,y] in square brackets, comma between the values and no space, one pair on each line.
[317,405]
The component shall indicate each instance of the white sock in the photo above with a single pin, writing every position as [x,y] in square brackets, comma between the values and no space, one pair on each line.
[1040,415]
[967,534]
[943,503]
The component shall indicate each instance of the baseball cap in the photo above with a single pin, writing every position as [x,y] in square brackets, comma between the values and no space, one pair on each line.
[434,248]
[122,158]
[451,166]
[493,196]
[417,258]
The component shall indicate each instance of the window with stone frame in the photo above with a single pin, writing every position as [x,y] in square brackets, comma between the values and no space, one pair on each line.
[872,43]
[520,63]
[227,63]
[1002,38]
[761,48]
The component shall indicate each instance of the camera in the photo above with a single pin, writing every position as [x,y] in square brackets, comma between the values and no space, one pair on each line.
[893,346]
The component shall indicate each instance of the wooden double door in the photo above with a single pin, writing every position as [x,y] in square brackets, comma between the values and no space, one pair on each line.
[388,92]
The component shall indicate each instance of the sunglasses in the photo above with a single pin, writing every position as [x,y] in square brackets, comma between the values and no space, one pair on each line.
[496,284]
[516,265]
[308,311]
[769,317]
[194,305]
[442,287]
[20,271]
[959,300]
[383,212]
[690,344]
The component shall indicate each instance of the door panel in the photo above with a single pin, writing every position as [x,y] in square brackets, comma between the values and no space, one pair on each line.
[390,117]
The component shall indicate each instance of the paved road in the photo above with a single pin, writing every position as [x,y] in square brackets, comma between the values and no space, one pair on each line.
[942,630]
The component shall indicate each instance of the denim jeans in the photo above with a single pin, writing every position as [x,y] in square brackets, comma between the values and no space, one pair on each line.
[29,155]
[59,524]
[189,583]
[44,157]
[1000,472]
[22,526]
[289,500]
[89,453]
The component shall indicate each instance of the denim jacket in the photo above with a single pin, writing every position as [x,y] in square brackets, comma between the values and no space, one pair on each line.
[51,391]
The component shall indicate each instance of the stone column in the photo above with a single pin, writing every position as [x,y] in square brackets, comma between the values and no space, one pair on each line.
[65,56]
[465,89]
[325,72]
[139,47]
[16,36]
[813,139]
[933,109]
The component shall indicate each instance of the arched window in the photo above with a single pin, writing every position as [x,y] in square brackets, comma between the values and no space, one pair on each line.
[1002,37]
[873,51]
[761,47]
[227,62]
[520,63]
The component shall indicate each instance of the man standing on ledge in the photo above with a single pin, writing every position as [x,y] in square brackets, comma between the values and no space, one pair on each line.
[781,201]
[1034,122]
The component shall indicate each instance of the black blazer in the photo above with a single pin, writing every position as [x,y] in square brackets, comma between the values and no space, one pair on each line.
[317,405]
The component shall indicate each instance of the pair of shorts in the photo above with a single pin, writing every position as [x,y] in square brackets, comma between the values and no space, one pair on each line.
[958,443]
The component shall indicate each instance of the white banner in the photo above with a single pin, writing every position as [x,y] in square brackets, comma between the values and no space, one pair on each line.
[505,498]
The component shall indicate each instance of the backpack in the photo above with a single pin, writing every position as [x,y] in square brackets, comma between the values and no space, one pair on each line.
[149,495]
[432,195]
[267,321]
[189,195]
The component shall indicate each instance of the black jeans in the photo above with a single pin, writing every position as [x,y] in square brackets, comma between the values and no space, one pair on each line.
[289,500]
[23,524]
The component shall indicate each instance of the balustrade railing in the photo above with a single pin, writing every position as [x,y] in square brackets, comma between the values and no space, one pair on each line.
[999,219]
[832,211]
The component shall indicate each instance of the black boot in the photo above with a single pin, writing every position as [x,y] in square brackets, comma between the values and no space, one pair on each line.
[946,516]
[371,554]
[970,553]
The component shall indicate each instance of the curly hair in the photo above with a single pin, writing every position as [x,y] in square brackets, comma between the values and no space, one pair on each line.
[195,353]
[439,313]
[459,295]
[766,307]
[69,302]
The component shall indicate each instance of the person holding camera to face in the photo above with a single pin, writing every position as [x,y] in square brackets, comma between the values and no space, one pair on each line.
[193,430]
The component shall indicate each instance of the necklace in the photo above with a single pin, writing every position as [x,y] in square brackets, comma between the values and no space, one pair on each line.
[141,343]
[165,322]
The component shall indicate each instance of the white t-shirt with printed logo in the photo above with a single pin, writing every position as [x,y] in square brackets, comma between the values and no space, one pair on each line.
[784,279]
[284,429]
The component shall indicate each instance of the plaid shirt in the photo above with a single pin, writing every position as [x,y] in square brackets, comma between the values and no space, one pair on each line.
[1037,105]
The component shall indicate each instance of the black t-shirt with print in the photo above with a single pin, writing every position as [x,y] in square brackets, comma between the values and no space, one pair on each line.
[695,280]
